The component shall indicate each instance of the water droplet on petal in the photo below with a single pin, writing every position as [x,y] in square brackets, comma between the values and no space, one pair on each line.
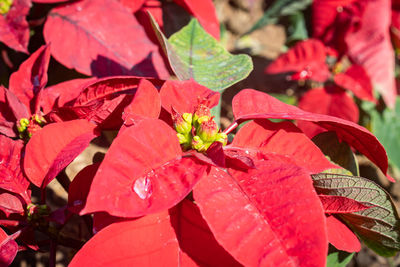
[143,187]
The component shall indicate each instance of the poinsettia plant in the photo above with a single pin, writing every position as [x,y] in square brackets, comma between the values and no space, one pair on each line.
[341,59]
[174,188]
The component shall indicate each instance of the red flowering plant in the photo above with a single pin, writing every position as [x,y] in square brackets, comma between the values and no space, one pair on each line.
[108,46]
[174,188]
[256,200]
[34,119]
[349,54]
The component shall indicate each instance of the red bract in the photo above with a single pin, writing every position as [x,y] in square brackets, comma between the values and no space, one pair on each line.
[283,138]
[341,236]
[54,147]
[374,52]
[153,162]
[331,101]
[176,237]
[307,58]
[14,29]
[361,31]
[109,44]
[204,11]
[251,104]
[356,80]
[327,15]
[8,248]
[249,217]
[12,178]
[23,96]
[145,171]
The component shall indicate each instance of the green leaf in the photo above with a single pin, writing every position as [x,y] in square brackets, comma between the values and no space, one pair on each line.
[279,9]
[338,152]
[194,54]
[297,29]
[338,258]
[378,226]
[387,128]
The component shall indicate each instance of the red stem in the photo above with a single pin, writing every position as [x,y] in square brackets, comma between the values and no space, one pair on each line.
[53,252]
[231,128]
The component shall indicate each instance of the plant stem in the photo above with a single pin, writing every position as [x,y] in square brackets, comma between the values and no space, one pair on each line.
[53,253]
[231,127]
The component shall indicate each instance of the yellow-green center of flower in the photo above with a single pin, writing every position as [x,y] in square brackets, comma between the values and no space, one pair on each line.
[27,127]
[5,6]
[198,130]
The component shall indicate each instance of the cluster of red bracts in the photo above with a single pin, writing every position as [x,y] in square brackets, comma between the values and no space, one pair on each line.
[251,202]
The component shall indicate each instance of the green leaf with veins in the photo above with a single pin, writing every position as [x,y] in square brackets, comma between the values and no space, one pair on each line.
[194,54]
[378,226]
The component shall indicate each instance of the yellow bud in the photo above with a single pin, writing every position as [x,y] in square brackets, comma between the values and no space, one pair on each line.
[182,139]
[222,138]
[5,6]
[198,144]
[207,129]
[24,122]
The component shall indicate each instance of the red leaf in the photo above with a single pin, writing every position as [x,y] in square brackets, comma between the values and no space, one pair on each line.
[8,249]
[339,204]
[102,101]
[132,243]
[205,12]
[14,29]
[285,139]
[149,173]
[195,237]
[80,187]
[31,78]
[10,204]
[52,148]
[17,107]
[179,237]
[255,224]
[146,103]
[356,80]
[185,95]
[60,94]
[7,128]
[250,104]
[327,23]
[11,176]
[331,101]
[105,88]
[7,118]
[133,6]
[340,236]
[103,112]
[370,46]
[306,56]
[114,44]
